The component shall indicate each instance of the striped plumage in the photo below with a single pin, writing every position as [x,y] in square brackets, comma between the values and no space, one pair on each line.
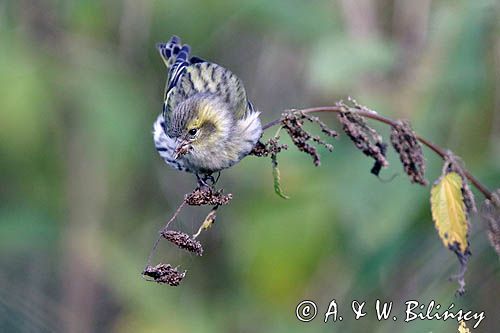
[207,123]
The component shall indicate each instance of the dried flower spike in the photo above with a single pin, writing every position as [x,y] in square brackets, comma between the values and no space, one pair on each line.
[164,273]
[491,213]
[259,149]
[293,123]
[365,138]
[405,142]
[207,196]
[324,128]
[184,241]
[272,146]
[454,164]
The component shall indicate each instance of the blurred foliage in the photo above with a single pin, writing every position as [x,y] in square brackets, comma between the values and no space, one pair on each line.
[83,191]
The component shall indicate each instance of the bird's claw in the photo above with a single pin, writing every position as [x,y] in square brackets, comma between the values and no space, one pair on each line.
[203,181]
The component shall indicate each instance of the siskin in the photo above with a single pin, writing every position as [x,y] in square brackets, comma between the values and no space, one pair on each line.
[207,123]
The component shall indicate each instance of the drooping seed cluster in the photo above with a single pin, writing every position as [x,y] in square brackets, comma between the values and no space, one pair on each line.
[470,203]
[274,147]
[293,123]
[271,147]
[365,138]
[324,128]
[202,195]
[164,273]
[491,213]
[207,195]
[259,149]
[183,241]
[454,164]
[405,142]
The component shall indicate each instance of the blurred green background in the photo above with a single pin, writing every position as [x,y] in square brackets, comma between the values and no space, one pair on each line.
[83,191]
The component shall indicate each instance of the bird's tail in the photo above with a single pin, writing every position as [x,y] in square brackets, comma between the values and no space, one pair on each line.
[176,58]
[173,51]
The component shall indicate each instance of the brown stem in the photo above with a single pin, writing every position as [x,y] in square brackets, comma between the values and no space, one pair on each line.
[155,245]
[375,116]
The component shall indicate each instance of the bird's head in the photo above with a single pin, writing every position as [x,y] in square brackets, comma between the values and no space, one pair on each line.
[198,123]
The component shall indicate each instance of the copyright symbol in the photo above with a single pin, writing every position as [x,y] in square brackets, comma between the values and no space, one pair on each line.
[306,311]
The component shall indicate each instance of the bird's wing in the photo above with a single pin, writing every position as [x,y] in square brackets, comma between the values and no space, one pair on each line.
[206,77]
[189,76]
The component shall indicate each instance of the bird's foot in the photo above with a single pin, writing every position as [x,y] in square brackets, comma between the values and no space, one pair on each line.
[206,181]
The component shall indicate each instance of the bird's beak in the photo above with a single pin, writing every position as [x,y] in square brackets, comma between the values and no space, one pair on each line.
[182,149]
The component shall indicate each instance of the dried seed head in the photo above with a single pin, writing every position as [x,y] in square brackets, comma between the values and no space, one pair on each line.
[184,241]
[365,138]
[491,214]
[293,123]
[259,150]
[324,128]
[377,166]
[271,147]
[274,147]
[454,164]
[406,144]
[207,196]
[470,203]
[164,273]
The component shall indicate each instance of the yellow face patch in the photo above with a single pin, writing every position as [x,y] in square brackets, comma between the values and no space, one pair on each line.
[205,113]
[195,123]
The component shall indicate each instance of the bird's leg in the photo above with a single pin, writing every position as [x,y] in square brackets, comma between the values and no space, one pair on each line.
[210,178]
[202,181]
[217,179]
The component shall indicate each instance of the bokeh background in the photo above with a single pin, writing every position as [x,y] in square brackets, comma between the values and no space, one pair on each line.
[83,192]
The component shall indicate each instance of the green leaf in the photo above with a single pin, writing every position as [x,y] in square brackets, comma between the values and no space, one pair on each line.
[276,178]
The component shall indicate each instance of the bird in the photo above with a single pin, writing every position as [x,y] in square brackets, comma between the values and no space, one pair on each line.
[207,123]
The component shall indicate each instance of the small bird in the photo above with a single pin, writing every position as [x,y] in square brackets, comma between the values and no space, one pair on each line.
[207,123]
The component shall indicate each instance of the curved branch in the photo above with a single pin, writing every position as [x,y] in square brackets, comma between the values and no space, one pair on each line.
[375,116]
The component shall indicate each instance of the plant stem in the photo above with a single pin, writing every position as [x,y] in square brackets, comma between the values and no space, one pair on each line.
[375,116]
[165,228]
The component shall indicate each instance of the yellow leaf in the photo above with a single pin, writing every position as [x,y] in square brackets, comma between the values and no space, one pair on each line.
[207,223]
[209,220]
[448,211]
[462,328]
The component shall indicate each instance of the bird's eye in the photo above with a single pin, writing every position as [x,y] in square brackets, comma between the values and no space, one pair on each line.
[192,131]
